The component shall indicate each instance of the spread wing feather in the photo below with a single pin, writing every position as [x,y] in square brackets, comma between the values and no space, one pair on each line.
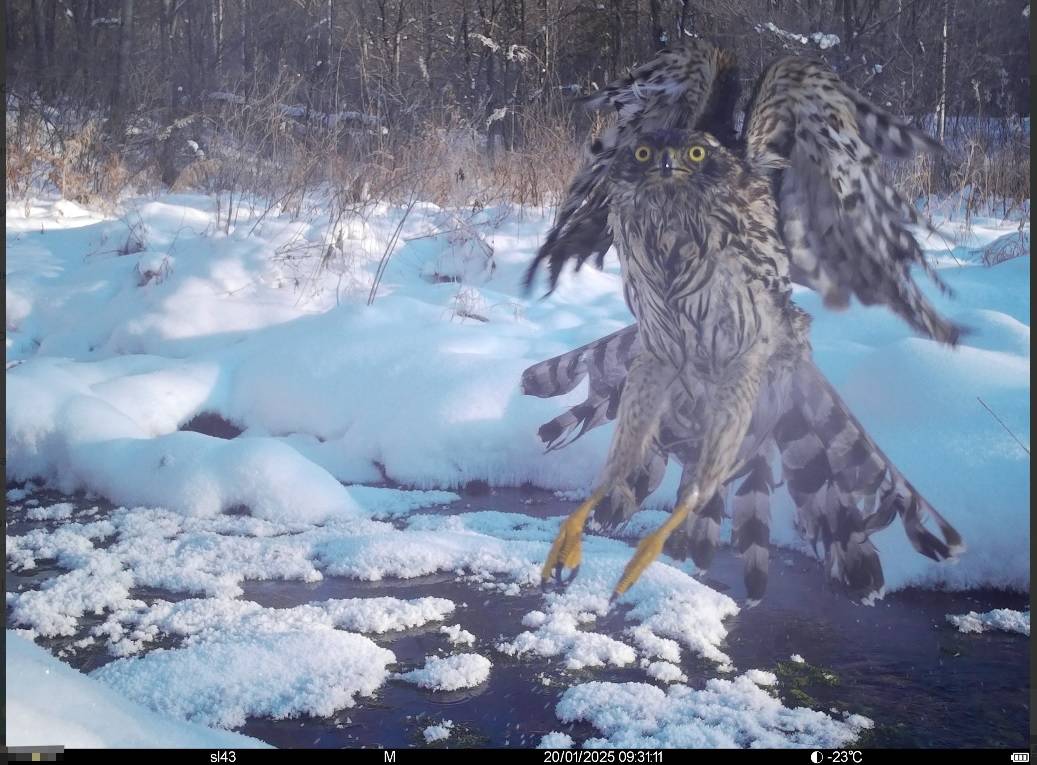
[844,224]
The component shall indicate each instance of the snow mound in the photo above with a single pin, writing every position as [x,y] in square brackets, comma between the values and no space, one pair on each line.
[458,636]
[390,503]
[384,614]
[58,512]
[128,630]
[438,732]
[450,673]
[556,740]
[734,713]
[224,680]
[35,679]
[665,672]
[1003,619]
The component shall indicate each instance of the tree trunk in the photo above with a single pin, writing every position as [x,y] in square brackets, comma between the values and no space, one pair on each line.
[658,37]
[849,9]
[39,41]
[217,42]
[615,38]
[122,65]
[941,109]
[81,59]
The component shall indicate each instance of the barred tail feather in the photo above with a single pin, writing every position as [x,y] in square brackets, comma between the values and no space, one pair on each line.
[704,534]
[606,362]
[850,557]
[750,534]
[845,488]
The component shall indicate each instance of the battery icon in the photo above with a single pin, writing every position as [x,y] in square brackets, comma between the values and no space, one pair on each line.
[1020,756]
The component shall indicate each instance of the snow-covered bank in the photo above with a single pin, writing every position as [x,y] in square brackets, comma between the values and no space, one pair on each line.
[119,332]
[726,714]
[49,703]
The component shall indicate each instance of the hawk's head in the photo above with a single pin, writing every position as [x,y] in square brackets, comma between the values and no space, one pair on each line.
[671,158]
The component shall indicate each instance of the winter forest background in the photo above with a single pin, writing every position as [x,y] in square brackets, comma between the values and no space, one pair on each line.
[362,93]
[271,477]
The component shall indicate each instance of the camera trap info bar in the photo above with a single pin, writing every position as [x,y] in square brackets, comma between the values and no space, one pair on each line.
[34,753]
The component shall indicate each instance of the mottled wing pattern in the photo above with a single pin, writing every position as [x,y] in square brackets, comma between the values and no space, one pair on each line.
[845,225]
[682,86]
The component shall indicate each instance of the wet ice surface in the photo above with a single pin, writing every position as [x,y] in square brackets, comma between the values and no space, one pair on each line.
[899,663]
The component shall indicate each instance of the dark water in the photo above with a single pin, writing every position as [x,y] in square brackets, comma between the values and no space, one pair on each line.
[899,662]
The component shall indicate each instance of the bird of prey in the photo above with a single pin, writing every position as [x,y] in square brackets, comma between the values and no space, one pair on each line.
[711,228]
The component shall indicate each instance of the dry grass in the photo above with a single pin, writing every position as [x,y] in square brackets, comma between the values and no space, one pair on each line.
[1007,248]
[252,147]
[72,157]
[976,172]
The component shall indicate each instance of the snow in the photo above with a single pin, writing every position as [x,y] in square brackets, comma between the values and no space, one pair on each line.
[107,371]
[390,503]
[1003,619]
[16,495]
[384,614]
[556,740]
[35,680]
[458,636]
[734,713]
[57,512]
[438,732]
[112,349]
[665,672]
[761,677]
[450,673]
[822,40]
[276,674]
[129,629]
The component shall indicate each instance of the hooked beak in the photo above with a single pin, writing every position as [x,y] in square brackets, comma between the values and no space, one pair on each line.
[666,166]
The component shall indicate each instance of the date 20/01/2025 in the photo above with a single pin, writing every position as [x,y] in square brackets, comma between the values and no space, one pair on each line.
[605,756]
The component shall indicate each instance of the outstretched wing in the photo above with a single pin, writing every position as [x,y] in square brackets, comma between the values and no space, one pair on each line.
[690,85]
[845,225]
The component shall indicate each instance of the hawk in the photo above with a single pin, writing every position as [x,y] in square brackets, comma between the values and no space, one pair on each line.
[712,227]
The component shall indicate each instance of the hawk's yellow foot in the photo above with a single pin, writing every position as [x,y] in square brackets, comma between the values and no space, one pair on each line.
[565,552]
[650,547]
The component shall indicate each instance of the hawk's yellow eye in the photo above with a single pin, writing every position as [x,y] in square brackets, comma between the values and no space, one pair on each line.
[642,154]
[696,154]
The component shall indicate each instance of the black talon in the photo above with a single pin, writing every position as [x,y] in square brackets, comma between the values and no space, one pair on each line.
[572,576]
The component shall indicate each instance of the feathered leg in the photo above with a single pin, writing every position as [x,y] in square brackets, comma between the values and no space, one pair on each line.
[729,411]
[640,411]
[626,499]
